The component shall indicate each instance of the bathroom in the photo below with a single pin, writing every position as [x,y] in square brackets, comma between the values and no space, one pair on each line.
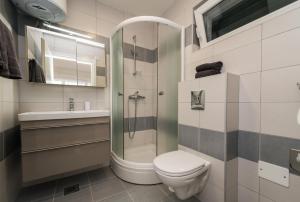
[133,129]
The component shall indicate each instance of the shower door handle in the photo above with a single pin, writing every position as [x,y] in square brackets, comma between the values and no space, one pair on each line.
[161,93]
[120,94]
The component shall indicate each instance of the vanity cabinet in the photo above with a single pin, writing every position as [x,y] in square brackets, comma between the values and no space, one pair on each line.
[55,148]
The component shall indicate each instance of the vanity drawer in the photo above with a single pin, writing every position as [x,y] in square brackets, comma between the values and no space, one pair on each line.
[47,138]
[55,162]
[29,125]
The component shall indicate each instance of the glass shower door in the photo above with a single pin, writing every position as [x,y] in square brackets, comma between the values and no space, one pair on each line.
[169,71]
[117,94]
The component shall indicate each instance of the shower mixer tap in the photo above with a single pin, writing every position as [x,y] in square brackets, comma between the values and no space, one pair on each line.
[136,96]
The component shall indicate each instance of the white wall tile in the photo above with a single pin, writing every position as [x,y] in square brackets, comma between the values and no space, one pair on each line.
[250,87]
[281,50]
[232,177]
[41,106]
[246,59]
[10,90]
[279,193]
[80,94]
[280,119]
[248,174]
[187,116]
[87,7]
[144,32]
[247,195]
[105,28]
[264,199]
[201,54]
[279,85]
[214,87]
[185,88]
[249,117]
[80,21]
[233,87]
[242,39]
[9,114]
[213,117]
[109,14]
[281,23]
[31,92]
[232,117]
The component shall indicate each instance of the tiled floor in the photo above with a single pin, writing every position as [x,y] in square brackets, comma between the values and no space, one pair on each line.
[100,185]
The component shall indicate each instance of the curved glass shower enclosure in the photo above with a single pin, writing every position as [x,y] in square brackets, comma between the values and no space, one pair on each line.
[146,60]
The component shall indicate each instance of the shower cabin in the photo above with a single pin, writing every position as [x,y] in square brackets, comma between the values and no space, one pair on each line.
[146,66]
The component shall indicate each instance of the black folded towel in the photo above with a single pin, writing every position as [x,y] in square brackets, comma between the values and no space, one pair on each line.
[207,66]
[206,73]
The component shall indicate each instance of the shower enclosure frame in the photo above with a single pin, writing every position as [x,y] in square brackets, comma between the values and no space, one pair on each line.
[139,173]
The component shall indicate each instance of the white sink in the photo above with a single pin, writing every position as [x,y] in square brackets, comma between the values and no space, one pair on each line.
[38,116]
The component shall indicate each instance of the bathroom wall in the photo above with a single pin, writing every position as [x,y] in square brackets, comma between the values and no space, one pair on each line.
[86,16]
[145,81]
[10,173]
[266,59]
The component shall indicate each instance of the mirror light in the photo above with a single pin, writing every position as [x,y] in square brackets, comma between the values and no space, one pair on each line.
[67,31]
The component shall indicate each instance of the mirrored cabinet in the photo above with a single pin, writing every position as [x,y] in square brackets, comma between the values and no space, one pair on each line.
[55,58]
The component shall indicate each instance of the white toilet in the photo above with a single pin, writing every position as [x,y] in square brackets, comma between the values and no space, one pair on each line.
[186,174]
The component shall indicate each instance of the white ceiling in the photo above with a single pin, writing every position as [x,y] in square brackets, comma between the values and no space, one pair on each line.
[140,7]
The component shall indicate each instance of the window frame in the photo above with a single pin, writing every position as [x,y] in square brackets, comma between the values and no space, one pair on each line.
[200,28]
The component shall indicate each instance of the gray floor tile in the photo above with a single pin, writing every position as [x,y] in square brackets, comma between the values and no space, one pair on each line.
[173,198]
[106,188]
[122,197]
[128,185]
[81,179]
[38,193]
[150,193]
[101,174]
[83,195]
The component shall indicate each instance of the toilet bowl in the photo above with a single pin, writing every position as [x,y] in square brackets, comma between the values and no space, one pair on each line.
[184,173]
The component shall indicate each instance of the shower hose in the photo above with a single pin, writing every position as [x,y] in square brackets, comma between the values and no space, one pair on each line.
[132,133]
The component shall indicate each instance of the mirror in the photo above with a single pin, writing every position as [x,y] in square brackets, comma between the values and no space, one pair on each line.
[55,58]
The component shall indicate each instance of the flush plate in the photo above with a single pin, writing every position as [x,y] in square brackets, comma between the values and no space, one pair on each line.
[295,160]
[198,100]
[274,173]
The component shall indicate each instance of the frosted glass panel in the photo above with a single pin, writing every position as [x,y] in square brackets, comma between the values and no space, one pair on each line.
[169,62]
[117,94]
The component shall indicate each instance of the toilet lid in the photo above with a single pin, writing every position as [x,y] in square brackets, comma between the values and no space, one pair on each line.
[178,163]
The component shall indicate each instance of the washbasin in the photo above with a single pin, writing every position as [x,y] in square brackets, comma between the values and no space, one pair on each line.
[51,115]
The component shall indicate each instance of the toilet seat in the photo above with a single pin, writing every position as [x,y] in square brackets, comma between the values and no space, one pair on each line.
[178,164]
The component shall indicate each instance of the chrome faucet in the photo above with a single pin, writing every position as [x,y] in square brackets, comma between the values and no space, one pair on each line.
[71,104]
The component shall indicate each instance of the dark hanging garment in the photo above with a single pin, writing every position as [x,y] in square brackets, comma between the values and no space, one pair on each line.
[36,73]
[9,66]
